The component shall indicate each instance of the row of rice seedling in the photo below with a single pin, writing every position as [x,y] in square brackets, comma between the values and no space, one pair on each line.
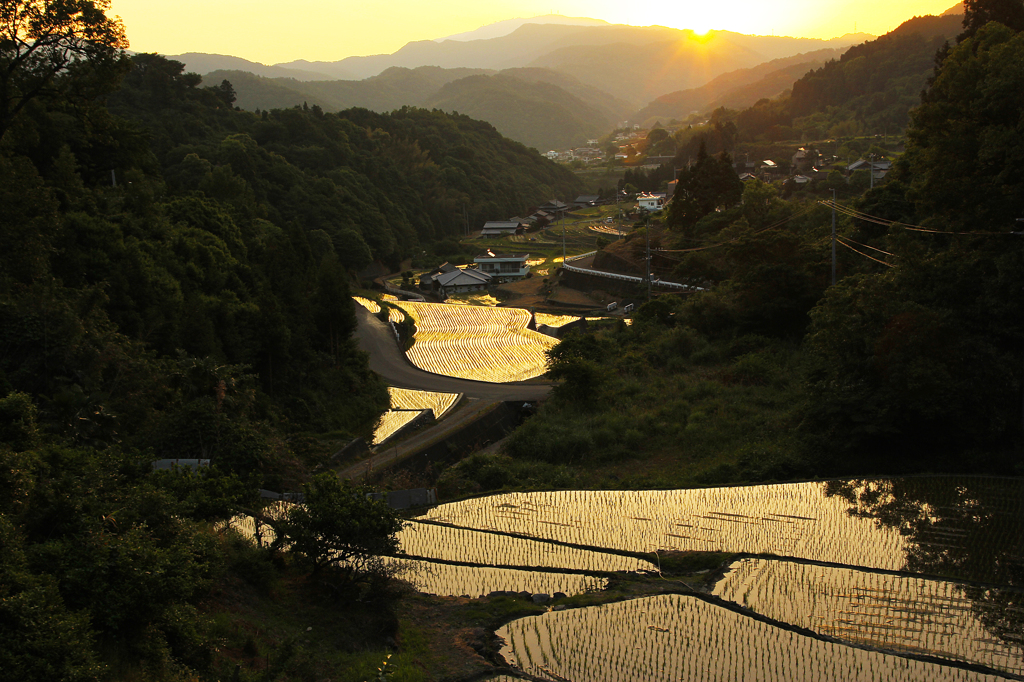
[675,637]
[554,320]
[409,399]
[390,423]
[472,342]
[915,615]
[372,306]
[788,520]
[445,580]
[455,544]
[407,404]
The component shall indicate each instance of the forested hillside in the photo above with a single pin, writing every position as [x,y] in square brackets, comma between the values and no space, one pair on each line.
[736,89]
[540,108]
[174,283]
[870,89]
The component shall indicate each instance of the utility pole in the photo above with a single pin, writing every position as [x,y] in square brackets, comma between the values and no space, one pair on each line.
[647,232]
[563,239]
[1020,221]
[833,237]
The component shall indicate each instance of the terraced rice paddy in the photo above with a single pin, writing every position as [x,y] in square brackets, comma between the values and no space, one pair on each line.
[789,520]
[963,527]
[676,637]
[885,542]
[554,320]
[900,613]
[406,405]
[471,342]
[372,306]
[446,580]
[409,399]
[431,541]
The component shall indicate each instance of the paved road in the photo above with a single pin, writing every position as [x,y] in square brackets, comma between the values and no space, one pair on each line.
[377,339]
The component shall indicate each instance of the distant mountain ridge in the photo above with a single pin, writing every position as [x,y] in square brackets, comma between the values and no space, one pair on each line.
[737,89]
[538,107]
[503,28]
[668,59]
[203,63]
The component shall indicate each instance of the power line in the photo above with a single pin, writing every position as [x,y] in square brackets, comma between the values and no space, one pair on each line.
[866,217]
[842,242]
[867,246]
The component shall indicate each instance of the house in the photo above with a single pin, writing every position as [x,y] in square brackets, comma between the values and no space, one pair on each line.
[427,278]
[554,207]
[879,169]
[804,159]
[650,202]
[461,281]
[801,180]
[503,267]
[671,189]
[501,228]
[747,176]
[584,200]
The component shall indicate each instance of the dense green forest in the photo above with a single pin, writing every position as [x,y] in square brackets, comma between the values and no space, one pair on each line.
[174,283]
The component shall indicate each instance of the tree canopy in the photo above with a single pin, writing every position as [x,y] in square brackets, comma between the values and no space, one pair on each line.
[56,49]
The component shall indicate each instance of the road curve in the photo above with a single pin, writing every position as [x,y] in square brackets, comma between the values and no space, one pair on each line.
[377,339]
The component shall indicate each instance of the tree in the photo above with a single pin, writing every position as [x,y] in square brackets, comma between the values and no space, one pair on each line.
[977,13]
[56,49]
[709,184]
[966,144]
[340,524]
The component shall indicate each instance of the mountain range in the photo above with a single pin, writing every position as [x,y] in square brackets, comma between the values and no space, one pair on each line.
[549,82]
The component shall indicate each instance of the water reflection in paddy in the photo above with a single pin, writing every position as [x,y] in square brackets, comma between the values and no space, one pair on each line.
[446,580]
[900,613]
[432,541]
[684,638]
[788,520]
[959,526]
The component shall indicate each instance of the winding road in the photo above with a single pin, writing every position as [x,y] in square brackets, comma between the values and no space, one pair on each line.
[377,339]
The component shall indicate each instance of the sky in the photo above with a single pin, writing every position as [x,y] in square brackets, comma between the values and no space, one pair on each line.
[323,30]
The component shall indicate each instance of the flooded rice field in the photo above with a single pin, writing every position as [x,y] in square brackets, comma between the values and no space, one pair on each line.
[970,528]
[915,579]
[889,579]
[902,613]
[676,637]
[446,580]
[431,541]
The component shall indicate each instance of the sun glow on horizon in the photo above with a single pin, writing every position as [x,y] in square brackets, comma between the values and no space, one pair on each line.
[317,30]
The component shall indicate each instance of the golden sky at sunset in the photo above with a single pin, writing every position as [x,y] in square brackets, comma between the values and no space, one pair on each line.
[273,32]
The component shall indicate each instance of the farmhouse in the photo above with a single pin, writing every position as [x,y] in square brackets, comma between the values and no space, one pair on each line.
[501,228]
[461,281]
[503,267]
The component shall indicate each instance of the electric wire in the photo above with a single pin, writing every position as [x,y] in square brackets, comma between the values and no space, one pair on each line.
[866,217]
[840,241]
